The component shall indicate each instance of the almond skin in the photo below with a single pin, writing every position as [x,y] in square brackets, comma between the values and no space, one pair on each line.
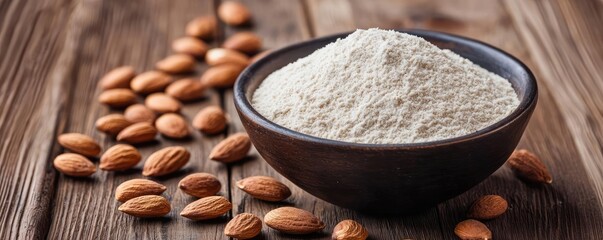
[79,143]
[191,46]
[231,149]
[172,125]
[186,89]
[233,13]
[246,42]
[139,113]
[137,133]
[264,188]
[112,124]
[472,229]
[210,120]
[200,185]
[207,208]
[117,78]
[119,157]
[146,206]
[136,188]
[222,76]
[73,164]
[217,56]
[243,226]
[293,221]
[349,230]
[166,161]
[259,56]
[117,98]
[162,103]
[150,82]
[488,207]
[202,27]
[529,167]
[177,63]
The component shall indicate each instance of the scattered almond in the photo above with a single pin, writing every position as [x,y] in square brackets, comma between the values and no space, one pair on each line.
[529,167]
[162,103]
[200,185]
[191,46]
[112,124]
[217,56]
[166,161]
[136,188]
[146,206]
[246,42]
[74,165]
[177,63]
[202,27]
[234,13]
[264,188]
[472,230]
[150,82]
[231,149]
[293,221]
[488,207]
[119,97]
[210,120]
[139,113]
[137,133]
[117,78]
[349,230]
[79,143]
[243,226]
[259,56]
[119,157]
[186,89]
[207,208]
[222,76]
[172,125]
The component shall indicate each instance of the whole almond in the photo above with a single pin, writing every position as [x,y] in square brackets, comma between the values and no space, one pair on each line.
[166,161]
[186,89]
[243,226]
[246,42]
[162,103]
[202,27]
[138,133]
[259,56]
[529,167]
[264,188]
[231,149]
[222,76]
[293,221]
[207,208]
[79,143]
[210,120]
[172,125]
[472,229]
[74,165]
[150,82]
[117,78]
[349,230]
[136,188]
[119,157]
[146,206]
[200,185]
[488,207]
[177,63]
[139,113]
[234,13]
[112,124]
[217,56]
[190,45]
[119,97]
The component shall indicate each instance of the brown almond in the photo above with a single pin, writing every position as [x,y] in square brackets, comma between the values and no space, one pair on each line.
[222,76]
[136,188]
[529,167]
[246,42]
[231,149]
[210,120]
[293,221]
[162,103]
[488,207]
[217,56]
[150,82]
[117,78]
[191,46]
[471,230]
[234,13]
[264,188]
[146,206]
[79,143]
[172,125]
[139,113]
[177,63]
[73,164]
[119,157]
[138,133]
[186,89]
[112,124]
[166,161]
[207,208]
[202,27]
[259,56]
[117,98]
[200,185]
[243,226]
[349,230]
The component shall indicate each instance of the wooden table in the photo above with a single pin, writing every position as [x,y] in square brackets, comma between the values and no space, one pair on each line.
[53,52]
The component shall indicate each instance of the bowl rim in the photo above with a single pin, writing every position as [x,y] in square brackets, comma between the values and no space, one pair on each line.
[244,106]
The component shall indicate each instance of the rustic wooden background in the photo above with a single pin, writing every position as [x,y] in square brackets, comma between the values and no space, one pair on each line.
[53,52]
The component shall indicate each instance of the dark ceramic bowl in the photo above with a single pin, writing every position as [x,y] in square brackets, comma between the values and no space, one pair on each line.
[388,178]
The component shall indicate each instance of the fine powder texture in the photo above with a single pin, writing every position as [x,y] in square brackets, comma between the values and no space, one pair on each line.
[384,87]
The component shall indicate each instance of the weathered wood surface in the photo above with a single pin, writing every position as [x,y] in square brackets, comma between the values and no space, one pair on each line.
[53,53]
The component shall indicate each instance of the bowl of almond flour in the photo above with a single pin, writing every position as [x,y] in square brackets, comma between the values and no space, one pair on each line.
[385,121]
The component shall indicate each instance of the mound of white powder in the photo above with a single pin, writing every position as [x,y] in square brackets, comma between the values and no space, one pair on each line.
[378,86]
